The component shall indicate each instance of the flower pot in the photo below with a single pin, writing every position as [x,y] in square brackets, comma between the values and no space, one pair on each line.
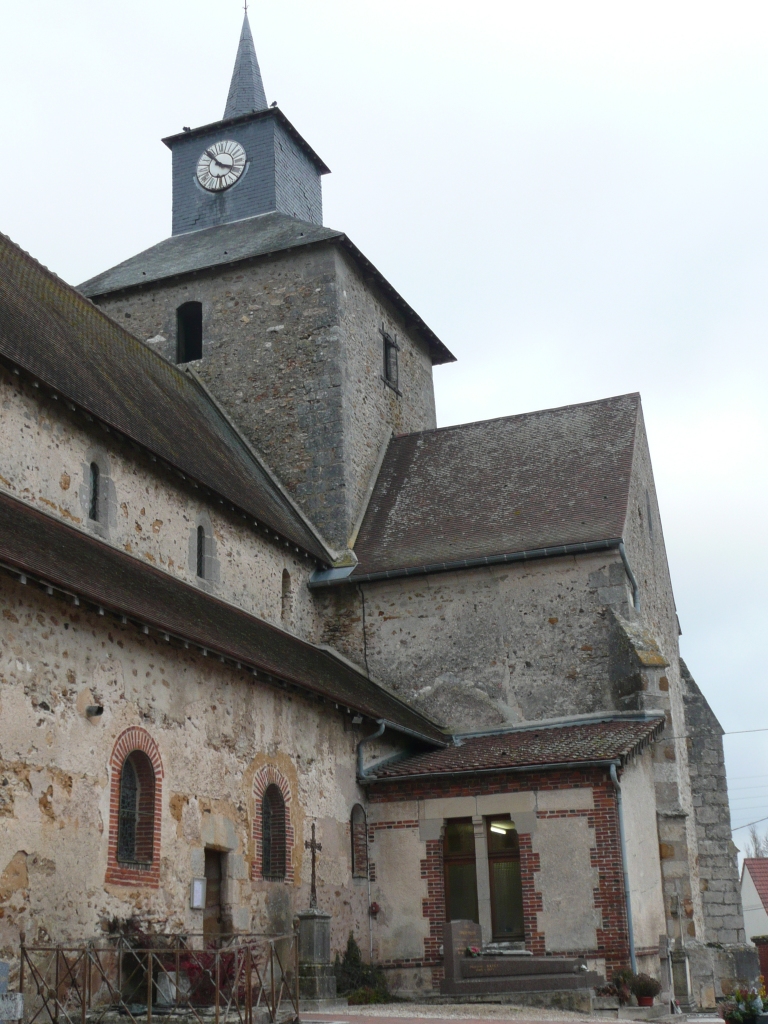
[645,1000]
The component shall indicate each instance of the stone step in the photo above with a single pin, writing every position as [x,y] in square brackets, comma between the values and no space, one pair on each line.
[584,981]
[508,966]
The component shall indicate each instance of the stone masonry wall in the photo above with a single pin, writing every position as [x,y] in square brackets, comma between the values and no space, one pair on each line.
[644,541]
[289,347]
[718,867]
[217,734]
[484,646]
[45,454]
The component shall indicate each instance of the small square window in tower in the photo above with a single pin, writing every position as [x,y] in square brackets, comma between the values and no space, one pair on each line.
[189,332]
[391,372]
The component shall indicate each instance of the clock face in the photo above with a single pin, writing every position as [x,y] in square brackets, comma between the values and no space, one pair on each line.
[221,165]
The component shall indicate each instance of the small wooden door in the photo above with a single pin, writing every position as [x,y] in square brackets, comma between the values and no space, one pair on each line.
[212,915]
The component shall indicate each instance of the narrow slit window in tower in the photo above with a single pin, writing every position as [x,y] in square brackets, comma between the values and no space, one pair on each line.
[93,505]
[286,600]
[391,371]
[201,552]
[189,332]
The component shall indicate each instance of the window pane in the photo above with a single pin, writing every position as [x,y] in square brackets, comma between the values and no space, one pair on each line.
[461,885]
[502,837]
[507,890]
[126,829]
[459,839]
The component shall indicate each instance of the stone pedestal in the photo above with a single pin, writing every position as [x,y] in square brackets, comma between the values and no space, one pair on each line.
[317,983]
[681,980]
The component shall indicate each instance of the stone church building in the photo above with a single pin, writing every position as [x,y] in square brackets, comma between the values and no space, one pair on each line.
[248,585]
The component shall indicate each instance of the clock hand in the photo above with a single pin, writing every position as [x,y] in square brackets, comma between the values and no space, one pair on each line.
[216,160]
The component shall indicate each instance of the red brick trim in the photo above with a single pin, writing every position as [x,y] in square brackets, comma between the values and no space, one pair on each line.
[134,739]
[265,777]
[612,938]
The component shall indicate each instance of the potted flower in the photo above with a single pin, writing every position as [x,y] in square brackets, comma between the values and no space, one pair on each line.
[645,988]
[743,1006]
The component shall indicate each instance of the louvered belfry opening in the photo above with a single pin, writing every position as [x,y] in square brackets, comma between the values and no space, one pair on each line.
[273,833]
[136,825]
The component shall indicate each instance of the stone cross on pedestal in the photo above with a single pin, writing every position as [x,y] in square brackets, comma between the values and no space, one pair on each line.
[313,845]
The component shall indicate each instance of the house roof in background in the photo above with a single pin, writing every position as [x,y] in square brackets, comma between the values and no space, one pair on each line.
[758,871]
[74,349]
[261,236]
[531,746]
[517,484]
[65,559]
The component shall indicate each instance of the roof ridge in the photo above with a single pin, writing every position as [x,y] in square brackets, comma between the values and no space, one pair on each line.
[516,416]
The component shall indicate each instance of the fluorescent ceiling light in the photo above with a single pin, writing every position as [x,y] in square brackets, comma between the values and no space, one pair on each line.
[500,831]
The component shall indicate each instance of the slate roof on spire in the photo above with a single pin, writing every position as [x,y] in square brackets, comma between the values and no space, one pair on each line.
[246,91]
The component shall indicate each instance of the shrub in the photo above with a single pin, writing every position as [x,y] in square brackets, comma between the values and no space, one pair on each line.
[622,981]
[357,979]
[644,985]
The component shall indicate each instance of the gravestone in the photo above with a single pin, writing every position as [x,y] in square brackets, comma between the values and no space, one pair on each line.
[11,1003]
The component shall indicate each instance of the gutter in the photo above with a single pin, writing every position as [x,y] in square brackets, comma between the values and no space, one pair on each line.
[332,577]
[627,897]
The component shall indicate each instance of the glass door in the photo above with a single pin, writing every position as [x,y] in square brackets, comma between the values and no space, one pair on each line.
[459,871]
[506,883]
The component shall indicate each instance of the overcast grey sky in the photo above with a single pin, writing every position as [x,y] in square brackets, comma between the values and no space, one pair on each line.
[573,195]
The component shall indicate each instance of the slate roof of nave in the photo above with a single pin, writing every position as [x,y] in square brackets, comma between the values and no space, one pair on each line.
[225,244]
[73,348]
[75,564]
[518,484]
[531,746]
[758,870]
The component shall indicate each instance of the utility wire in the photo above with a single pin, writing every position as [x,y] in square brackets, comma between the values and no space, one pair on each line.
[740,827]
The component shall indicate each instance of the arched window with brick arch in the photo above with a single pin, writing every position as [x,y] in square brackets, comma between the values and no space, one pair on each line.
[135,810]
[136,817]
[358,829]
[272,827]
[272,833]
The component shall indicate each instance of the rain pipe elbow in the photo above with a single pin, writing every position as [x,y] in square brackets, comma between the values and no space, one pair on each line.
[361,772]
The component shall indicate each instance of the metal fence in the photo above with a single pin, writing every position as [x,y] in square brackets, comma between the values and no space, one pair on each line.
[247,980]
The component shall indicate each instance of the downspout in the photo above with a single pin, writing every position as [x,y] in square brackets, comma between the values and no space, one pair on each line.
[631,578]
[361,775]
[361,772]
[627,900]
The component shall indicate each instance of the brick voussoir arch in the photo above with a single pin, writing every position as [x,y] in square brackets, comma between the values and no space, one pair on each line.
[130,741]
[265,777]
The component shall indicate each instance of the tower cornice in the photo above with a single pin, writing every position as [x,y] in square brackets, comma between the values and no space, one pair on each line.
[257,115]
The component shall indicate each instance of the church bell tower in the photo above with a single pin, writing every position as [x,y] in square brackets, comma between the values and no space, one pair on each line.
[316,359]
[252,161]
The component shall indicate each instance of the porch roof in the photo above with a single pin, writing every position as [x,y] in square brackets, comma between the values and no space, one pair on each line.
[610,739]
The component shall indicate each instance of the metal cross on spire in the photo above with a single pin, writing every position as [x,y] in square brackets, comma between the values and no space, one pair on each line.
[315,847]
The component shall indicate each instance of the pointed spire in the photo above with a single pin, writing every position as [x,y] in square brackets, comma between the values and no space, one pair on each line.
[246,93]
